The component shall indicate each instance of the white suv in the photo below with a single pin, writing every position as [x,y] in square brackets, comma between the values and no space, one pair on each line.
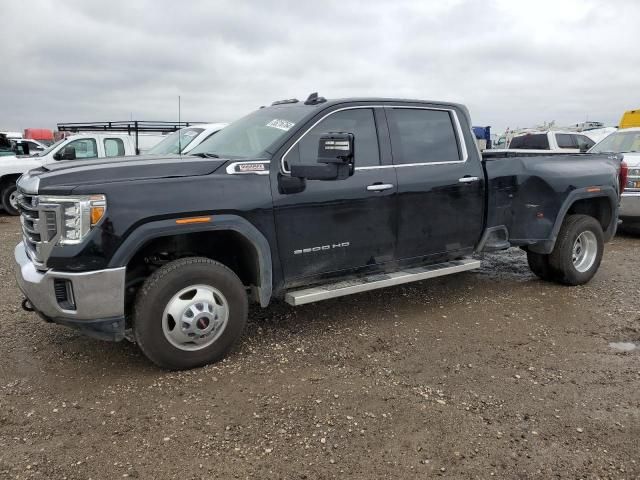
[627,142]
[186,139]
[552,141]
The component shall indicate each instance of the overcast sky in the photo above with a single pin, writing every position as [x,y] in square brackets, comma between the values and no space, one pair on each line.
[514,63]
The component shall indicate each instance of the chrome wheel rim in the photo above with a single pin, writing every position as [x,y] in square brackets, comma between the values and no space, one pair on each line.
[13,200]
[585,250]
[195,317]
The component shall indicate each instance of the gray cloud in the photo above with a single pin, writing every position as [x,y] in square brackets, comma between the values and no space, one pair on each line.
[512,63]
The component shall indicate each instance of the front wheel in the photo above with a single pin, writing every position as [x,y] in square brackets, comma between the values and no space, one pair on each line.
[578,250]
[10,199]
[189,313]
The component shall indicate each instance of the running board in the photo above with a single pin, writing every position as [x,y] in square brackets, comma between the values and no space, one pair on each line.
[372,282]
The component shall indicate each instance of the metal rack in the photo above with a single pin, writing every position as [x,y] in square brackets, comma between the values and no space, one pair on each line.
[130,127]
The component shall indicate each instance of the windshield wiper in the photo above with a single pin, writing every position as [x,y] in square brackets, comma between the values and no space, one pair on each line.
[205,155]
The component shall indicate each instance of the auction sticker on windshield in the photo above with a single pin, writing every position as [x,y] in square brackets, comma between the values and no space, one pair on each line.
[280,124]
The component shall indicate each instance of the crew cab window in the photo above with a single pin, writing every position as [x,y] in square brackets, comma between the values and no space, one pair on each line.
[536,141]
[85,148]
[566,140]
[359,121]
[423,136]
[113,147]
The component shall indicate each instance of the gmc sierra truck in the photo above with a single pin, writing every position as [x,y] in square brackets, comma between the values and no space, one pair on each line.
[301,202]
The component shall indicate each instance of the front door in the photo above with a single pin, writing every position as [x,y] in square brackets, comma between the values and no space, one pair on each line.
[440,186]
[337,225]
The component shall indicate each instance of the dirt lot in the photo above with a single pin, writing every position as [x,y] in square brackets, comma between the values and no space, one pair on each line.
[491,373]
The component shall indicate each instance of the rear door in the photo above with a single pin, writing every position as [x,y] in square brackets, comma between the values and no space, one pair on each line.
[440,186]
[338,225]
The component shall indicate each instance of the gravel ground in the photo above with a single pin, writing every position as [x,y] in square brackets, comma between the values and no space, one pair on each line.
[489,373]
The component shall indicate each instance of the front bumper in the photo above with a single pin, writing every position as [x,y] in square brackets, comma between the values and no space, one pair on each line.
[630,206]
[98,296]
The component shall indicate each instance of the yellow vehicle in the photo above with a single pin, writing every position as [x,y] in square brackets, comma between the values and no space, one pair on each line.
[630,119]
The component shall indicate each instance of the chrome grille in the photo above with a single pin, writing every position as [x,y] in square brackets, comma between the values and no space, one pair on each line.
[39,227]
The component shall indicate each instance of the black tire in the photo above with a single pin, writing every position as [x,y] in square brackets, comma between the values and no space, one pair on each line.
[539,264]
[561,259]
[159,289]
[7,191]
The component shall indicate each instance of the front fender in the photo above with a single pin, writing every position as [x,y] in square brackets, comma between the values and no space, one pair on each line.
[164,228]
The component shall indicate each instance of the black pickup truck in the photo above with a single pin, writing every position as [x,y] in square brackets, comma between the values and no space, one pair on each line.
[298,201]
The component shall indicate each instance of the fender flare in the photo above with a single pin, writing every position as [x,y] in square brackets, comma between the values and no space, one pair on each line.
[165,228]
[608,192]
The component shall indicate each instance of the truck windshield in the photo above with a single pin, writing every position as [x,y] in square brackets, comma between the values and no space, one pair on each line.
[49,149]
[619,142]
[175,142]
[252,135]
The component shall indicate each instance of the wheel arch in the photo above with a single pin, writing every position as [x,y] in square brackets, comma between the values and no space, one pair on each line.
[8,179]
[247,241]
[598,202]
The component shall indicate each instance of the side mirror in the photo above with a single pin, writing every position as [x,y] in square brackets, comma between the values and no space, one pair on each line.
[68,153]
[584,148]
[335,158]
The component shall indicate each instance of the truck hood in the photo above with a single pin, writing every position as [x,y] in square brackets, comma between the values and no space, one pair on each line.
[12,164]
[63,177]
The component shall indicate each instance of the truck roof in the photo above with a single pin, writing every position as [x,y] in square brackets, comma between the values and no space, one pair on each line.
[336,101]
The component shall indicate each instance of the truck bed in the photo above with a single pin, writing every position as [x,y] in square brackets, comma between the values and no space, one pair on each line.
[526,194]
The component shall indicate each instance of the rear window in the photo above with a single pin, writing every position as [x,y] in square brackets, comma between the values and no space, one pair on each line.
[423,136]
[566,140]
[537,141]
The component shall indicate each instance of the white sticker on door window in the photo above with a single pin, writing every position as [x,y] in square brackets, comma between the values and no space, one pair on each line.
[280,124]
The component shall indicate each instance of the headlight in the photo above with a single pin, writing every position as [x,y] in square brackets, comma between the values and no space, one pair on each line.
[634,172]
[78,214]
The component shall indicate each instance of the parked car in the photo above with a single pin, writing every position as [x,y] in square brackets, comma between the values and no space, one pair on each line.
[25,146]
[74,147]
[627,142]
[186,139]
[299,201]
[10,135]
[552,141]
[6,146]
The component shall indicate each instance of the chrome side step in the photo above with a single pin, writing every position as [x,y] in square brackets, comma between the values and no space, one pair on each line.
[372,282]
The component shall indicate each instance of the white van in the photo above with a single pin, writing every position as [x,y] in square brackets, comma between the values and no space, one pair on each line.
[74,147]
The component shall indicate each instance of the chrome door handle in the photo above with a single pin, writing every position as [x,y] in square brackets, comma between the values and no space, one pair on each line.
[379,187]
[468,179]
